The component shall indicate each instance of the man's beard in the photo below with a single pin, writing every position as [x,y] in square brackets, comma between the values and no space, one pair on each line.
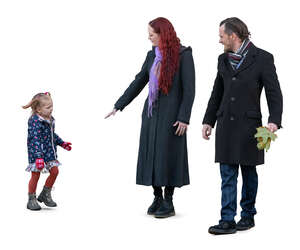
[227,49]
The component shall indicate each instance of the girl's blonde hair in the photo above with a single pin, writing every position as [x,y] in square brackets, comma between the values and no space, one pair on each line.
[36,101]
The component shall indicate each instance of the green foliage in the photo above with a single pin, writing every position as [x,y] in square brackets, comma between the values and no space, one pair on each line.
[264,137]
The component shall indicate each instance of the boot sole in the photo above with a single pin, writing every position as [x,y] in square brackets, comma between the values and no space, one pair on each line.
[244,228]
[217,232]
[37,209]
[164,215]
[48,205]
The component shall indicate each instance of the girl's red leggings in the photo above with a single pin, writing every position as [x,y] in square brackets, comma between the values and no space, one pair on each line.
[35,178]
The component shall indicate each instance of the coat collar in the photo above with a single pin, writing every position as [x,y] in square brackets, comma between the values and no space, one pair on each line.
[182,49]
[41,119]
[249,60]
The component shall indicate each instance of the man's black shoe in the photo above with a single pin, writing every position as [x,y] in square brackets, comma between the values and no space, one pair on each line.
[245,223]
[224,227]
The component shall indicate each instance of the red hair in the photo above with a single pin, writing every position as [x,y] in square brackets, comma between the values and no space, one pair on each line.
[169,46]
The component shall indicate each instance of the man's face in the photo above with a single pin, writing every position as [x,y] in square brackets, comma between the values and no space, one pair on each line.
[225,39]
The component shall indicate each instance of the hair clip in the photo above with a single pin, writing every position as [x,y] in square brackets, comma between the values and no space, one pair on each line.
[47,93]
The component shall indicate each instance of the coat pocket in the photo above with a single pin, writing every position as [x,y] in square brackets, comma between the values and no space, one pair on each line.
[253,121]
[253,114]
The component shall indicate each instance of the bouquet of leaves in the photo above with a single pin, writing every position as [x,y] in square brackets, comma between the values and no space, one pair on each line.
[264,137]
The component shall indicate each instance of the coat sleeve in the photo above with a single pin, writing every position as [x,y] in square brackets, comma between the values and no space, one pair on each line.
[57,139]
[140,81]
[187,72]
[35,133]
[273,91]
[210,116]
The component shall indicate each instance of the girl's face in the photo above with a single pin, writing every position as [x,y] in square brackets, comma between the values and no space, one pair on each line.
[153,37]
[46,108]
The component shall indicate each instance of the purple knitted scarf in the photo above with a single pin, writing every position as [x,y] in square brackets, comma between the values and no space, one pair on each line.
[153,80]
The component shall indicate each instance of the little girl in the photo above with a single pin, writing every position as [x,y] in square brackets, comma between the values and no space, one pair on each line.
[41,144]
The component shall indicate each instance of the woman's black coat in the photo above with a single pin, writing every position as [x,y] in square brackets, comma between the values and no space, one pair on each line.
[163,157]
[235,105]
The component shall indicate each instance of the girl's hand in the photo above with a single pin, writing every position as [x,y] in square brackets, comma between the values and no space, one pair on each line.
[111,113]
[39,163]
[181,129]
[67,145]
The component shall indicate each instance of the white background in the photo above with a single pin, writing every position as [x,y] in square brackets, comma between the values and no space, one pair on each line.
[86,53]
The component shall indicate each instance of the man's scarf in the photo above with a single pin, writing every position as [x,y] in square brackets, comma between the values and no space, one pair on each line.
[236,59]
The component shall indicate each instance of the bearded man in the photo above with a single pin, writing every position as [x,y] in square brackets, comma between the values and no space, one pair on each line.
[243,71]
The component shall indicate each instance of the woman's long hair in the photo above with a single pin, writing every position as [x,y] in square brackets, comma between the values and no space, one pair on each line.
[169,46]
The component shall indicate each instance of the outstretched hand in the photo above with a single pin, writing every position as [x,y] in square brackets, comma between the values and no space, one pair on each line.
[67,146]
[111,113]
[181,129]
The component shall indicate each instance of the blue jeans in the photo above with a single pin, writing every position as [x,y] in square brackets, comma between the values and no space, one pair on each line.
[229,174]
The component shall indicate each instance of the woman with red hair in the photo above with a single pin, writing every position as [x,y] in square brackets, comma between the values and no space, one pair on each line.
[163,159]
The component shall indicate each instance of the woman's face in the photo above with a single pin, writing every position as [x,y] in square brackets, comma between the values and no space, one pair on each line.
[46,108]
[153,37]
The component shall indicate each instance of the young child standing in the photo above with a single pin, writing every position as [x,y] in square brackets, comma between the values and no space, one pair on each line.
[41,144]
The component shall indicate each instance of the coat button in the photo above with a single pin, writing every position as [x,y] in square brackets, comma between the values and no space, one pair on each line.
[232,99]
[233,78]
[231,118]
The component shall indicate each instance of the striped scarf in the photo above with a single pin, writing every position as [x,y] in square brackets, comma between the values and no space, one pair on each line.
[153,80]
[236,59]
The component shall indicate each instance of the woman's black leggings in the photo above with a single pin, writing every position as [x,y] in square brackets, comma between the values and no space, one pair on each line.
[169,191]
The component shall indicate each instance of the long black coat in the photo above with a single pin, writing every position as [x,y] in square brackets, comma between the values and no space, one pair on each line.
[235,105]
[163,158]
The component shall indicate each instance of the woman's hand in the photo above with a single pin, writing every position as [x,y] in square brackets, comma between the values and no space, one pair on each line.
[181,129]
[206,131]
[111,113]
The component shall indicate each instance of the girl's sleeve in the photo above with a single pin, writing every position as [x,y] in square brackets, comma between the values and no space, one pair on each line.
[57,139]
[35,133]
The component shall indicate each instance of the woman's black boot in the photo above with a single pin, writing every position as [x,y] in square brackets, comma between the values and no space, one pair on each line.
[166,208]
[158,198]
